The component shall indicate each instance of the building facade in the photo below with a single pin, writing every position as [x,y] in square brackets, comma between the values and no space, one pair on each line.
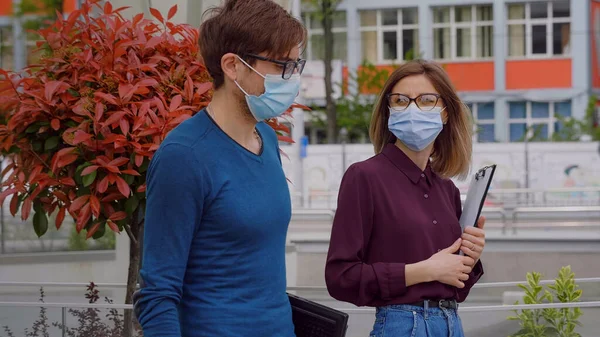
[519,65]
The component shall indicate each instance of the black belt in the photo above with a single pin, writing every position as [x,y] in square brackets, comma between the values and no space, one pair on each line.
[447,304]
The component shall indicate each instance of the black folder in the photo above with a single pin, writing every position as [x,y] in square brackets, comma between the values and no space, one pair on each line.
[312,319]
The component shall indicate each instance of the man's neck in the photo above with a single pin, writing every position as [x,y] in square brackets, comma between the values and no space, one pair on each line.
[228,115]
[420,158]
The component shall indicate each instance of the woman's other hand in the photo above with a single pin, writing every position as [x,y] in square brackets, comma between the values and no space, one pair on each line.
[447,267]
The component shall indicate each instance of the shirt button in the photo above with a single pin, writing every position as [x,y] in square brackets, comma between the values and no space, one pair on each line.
[435,222]
[422,175]
[426,196]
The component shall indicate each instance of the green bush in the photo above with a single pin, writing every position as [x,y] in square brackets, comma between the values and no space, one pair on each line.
[549,322]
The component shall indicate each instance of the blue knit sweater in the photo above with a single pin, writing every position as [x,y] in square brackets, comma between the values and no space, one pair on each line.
[214,241]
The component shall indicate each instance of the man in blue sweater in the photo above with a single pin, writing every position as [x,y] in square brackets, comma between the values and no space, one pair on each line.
[218,204]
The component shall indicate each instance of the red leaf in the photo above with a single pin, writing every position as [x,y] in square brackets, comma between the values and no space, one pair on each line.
[66,160]
[67,181]
[26,208]
[117,216]
[5,194]
[103,185]
[124,125]
[107,97]
[175,103]
[93,230]
[131,172]
[66,150]
[113,226]
[60,217]
[54,87]
[89,170]
[123,187]
[172,12]
[119,161]
[139,160]
[141,189]
[55,124]
[14,204]
[203,88]
[78,203]
[157,15]
[115,117]
[99,111]
[108,8]
[83,217]
[153,42]
[80,137]
[112,197]
[95,205]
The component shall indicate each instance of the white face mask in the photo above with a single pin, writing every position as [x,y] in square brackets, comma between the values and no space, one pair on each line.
[416,128]
[278,97]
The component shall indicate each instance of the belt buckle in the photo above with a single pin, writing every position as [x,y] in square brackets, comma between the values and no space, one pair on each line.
[447,304]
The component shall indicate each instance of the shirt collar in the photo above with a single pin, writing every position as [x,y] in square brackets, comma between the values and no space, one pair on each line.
[406,165]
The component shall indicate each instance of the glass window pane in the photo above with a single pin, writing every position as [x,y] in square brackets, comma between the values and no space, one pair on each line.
[516,11]
[317,45]
[485,111]
[463,42]
[561,9]
[410,44]
[539,132]
[390,46]
[389,17]
[315,23]
[538,10]
[410,16]
[485,13]
[485,41]
[340,46]
[538,38]
[368,18]
[516,40]
[441,14]
[561,38]
[540,110]
[517,109]
[486,133]
[6,49]
[369,46]
[462,14]
[339,19]
[517,132]
[441,43]
[563,109]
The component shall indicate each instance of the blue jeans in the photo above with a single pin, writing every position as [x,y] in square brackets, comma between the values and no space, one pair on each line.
[413,321]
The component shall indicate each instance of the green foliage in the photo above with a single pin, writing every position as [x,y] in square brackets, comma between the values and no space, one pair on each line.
[549,322]
[573,129]
[78,241]
[39,13]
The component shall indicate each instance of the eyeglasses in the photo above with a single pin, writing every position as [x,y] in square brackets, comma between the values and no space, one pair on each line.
[425,102]
[289,67]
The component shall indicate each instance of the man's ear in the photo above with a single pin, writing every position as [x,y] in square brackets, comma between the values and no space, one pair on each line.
[229,63]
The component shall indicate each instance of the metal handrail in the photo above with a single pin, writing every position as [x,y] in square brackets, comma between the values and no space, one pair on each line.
[291,288]
[472,308]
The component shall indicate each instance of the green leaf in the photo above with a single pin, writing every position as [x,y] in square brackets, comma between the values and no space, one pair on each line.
[89,179]
[128,179]
[37,146]
[40,223]
[131,204]
[101,231]
[32,128]
[51,143]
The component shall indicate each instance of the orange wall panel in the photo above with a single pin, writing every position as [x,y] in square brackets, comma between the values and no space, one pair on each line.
[69,6]
[6,7]
[538,74]
[471,76]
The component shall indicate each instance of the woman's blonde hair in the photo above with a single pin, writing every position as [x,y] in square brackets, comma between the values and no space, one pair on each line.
[451,156]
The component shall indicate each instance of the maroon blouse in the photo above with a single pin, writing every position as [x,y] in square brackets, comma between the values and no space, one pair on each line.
[390,213]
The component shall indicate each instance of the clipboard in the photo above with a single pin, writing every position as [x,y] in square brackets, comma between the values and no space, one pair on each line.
[478,189]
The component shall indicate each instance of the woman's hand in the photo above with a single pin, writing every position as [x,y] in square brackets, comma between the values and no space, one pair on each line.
[473,241]
[449,268]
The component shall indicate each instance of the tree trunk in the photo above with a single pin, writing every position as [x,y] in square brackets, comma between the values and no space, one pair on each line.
[327,22]
[135,249]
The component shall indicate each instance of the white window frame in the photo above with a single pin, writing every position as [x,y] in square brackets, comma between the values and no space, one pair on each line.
[453,25]
[529,121]
[529,22]
[399,29]
[318,31]
[477,121]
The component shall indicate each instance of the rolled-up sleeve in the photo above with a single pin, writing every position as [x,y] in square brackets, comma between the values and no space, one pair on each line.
[347,276]
[173,212]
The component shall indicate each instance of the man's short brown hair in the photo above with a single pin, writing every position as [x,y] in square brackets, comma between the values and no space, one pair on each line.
[248,27]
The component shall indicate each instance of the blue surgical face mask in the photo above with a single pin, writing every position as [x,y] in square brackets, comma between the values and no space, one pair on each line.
[416,128]
[279,95]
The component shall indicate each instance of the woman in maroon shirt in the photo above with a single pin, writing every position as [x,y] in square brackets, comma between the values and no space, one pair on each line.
[396,233]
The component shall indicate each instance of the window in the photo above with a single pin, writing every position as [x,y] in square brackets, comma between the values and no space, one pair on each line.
[537,120]
[484,121]
[539,28]
[389,35]
[463,32]
[316,43]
